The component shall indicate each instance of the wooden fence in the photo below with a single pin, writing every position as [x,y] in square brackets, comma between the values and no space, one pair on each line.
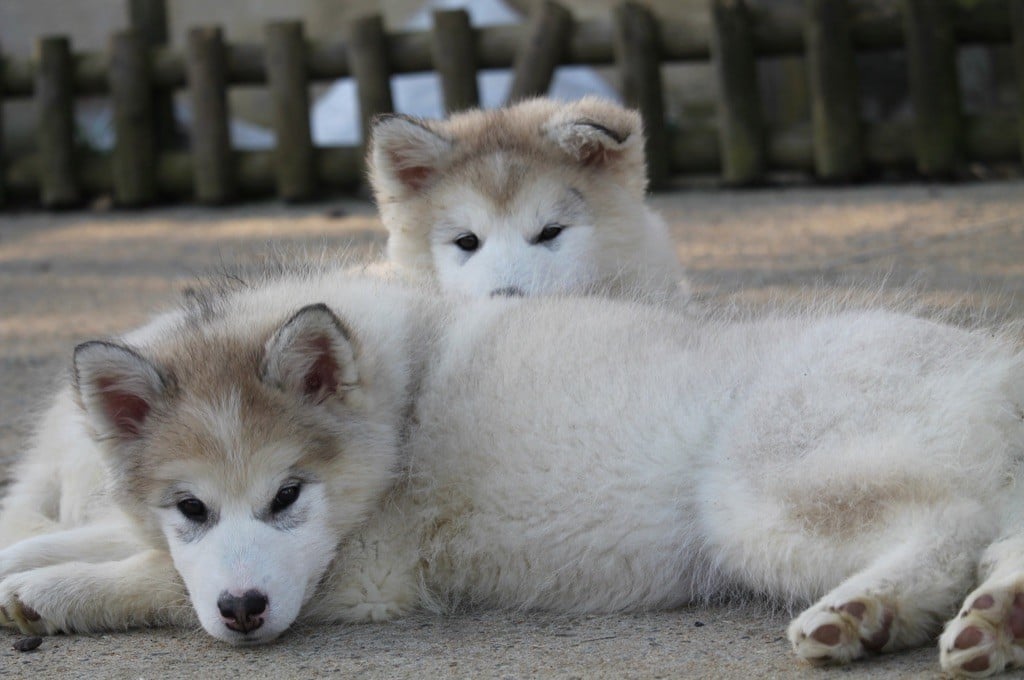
[139,73]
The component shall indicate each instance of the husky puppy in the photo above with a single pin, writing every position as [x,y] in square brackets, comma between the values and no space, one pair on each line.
[540,197]
[571,455]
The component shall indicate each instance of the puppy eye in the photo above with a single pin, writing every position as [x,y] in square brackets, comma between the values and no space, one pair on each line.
[193,509]
[468,242]
[548,233]
[286,495]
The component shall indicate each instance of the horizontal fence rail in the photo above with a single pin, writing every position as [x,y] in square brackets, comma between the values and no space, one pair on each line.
[140,74]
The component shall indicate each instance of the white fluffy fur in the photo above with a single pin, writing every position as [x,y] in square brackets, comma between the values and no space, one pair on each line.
[573,455]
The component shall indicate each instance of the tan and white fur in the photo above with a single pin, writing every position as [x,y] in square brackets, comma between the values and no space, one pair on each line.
[539,197]
[574,455]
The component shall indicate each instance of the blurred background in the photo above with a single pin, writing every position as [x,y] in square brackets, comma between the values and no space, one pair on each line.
[986,73]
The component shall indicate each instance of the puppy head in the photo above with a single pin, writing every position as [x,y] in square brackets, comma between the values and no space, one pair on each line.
[466,200]
[249,455]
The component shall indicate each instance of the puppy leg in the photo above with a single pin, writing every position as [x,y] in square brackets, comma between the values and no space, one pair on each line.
[901,599]
[378,582]
[142,590]
[91,543]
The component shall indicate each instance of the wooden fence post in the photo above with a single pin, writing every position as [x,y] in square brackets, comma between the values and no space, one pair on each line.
[835,101]
[368,60]
[453,46]
[289,91]
[934,88]
[149,19]
[3,162]
[212,165]
[637,48]
[540,52]
[741,128]
[134,159]
[56,115]
[1017,26]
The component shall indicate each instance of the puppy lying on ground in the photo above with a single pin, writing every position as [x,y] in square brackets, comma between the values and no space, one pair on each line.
[330,448]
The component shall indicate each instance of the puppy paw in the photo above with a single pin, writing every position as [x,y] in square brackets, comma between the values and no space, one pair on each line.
[839,633]
[18,612]
[987,636]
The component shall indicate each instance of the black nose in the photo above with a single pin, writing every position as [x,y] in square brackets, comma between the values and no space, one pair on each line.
[243,614]
[509,291]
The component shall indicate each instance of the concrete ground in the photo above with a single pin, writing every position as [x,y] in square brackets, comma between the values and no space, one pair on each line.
[70,277]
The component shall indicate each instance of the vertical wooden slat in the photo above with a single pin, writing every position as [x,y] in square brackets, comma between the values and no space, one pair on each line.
[539,54]
[213,171]
[835,103]
[134,160]
[289,92]
[3,162]
[453,46]
[934,88]
[56,123]
[149,19]
[1017,27]
[368,59]
[637,50]
[741,127]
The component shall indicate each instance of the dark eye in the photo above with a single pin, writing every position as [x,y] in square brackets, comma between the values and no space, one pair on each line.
[193,509]
[285,497]
[468,242]
[549,233]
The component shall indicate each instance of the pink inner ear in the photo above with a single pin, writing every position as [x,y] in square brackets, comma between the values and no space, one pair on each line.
[416,177]
[322,377]
[595,153]
[125,411]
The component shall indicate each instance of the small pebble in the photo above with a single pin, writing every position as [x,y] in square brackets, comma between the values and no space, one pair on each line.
[698,624]
[28,644]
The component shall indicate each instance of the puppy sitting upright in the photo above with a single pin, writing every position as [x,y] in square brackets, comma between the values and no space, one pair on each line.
[540,197]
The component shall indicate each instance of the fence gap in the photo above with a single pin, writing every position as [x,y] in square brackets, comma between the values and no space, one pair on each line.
[453,47]
[135,155]
[540,51]
[287,78]
[56,114]
[149,19]
[212,166]
[1017,26]
[636,41]
[368,59]
[741,127]
[934,88]
[835,98]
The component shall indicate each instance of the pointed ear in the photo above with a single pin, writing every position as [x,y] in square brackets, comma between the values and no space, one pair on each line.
[311,356]
[405,154]
[598,133]
[591,143]
[117,387]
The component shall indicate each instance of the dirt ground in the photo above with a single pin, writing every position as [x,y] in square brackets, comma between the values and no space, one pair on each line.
[66,278]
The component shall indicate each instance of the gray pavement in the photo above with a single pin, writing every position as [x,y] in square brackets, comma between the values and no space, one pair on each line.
[65,278]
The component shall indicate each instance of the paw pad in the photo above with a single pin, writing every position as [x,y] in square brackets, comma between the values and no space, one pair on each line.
[986,637]
[843,632]
[829,634]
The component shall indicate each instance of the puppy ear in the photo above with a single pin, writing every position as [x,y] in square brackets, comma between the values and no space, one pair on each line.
[598,133]
[405,153]
[311,356]
[117,388]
